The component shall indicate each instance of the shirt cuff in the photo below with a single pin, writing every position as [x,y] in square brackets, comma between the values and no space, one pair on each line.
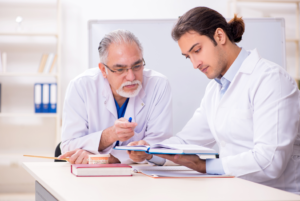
[157,160]
[214,166]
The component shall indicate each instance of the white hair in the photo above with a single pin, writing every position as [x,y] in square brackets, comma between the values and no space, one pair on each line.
[116,37]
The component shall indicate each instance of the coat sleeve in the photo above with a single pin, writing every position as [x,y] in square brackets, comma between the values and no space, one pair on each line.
[275,101]
[75,132]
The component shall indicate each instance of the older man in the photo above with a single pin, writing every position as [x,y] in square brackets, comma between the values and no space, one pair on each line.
[97,100]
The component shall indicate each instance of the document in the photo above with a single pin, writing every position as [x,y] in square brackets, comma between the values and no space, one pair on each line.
[173,172]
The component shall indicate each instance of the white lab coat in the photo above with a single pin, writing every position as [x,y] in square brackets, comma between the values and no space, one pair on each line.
[255,125]
[89,109]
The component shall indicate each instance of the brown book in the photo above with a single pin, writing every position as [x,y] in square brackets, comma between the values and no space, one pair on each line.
[53,64]
[42,63]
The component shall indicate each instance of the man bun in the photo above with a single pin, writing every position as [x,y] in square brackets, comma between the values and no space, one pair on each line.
[237,28]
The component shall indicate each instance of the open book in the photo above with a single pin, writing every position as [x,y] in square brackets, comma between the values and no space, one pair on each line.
[170,149]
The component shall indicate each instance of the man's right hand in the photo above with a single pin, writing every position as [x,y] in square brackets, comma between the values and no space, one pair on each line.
[138,156]
[123,130]
[77,156]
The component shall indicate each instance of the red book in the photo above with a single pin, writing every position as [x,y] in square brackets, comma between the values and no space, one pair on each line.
[101,170]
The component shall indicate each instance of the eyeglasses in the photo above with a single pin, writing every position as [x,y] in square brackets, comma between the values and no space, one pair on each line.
[135,68]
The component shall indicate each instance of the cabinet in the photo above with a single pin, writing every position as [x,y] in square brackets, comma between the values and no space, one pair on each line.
[22,131]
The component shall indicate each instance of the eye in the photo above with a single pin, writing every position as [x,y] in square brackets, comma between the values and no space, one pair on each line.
[136,67]
[187,57]
[197,50]
[120,70]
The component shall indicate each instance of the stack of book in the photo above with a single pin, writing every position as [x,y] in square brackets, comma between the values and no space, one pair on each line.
[47,63]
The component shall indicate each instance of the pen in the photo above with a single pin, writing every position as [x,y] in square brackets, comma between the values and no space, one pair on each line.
[117,143]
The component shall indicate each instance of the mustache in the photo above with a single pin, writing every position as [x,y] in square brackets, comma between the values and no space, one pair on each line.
[130,83]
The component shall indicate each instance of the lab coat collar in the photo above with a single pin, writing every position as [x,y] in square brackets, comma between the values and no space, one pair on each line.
[250,62]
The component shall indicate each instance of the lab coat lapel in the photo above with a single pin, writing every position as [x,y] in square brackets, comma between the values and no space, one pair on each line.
[247,67]
[135,105]
[108,99]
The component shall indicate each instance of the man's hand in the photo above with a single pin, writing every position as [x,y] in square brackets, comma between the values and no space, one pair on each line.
[122,130]
[77,156]
[113,160]
[138,156]
[190,161]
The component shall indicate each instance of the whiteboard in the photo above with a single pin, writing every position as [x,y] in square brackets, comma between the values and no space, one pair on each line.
[162,54]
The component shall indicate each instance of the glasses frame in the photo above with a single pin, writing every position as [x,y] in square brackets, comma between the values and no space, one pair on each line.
[113,71]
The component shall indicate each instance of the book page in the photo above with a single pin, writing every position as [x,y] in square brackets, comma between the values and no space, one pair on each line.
[132,148]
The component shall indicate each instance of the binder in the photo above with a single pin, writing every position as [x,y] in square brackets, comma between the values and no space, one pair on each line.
[46,98]
[53,98]
[38,98]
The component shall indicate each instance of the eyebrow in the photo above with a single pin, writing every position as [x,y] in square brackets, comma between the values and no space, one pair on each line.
[191,48]
[123,66]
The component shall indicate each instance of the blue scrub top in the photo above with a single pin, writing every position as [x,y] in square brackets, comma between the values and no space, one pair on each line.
[121,110]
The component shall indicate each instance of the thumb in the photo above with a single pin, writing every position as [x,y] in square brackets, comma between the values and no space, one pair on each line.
[142,142]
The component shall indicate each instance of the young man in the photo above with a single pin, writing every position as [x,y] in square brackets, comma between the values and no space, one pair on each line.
[250,108]
[97,100]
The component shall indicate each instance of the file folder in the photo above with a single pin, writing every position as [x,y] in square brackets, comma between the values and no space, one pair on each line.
[53,98]
[46,98]
[38,98]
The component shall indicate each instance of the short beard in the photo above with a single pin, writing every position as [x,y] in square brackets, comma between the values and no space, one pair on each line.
[125,94]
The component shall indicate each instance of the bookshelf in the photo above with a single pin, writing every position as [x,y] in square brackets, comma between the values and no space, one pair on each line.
[22,131]
[232,8]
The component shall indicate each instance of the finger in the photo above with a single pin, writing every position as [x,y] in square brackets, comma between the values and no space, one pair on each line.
[133,143]
[67,154]
[126,124]
[74,157]
[80,158]
[142,142]
[86,159]
[166,156]
[124,130]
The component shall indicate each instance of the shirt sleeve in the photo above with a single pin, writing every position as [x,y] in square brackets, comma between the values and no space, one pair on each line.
[214,166]
[157,161]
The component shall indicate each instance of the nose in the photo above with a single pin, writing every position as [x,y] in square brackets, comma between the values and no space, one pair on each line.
[130,75]
[196,63]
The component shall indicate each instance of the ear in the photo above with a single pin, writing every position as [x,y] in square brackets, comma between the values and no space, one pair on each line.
[102,69]
[220,36]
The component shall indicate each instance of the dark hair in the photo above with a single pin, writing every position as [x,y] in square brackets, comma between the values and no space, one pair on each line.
[205,21]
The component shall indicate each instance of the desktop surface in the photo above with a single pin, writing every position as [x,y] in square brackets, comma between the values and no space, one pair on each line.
[58,180]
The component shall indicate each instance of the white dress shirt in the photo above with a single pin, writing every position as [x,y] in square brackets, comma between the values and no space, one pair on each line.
[89,109]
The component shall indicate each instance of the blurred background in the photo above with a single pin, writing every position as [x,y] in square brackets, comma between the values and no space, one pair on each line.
[46,41]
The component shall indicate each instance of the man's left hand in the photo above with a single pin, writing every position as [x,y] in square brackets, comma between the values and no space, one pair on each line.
[190,161]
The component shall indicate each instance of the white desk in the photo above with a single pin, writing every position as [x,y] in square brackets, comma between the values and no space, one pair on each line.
[57,179]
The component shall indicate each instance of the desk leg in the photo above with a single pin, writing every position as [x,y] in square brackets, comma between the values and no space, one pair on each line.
[41,194]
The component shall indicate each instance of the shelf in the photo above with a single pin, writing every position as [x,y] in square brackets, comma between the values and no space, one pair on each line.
[27,34]
[29,115]
[29,74]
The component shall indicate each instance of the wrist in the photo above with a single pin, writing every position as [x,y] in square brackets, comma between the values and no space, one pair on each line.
[201,166]
[111,135]
[149,157]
